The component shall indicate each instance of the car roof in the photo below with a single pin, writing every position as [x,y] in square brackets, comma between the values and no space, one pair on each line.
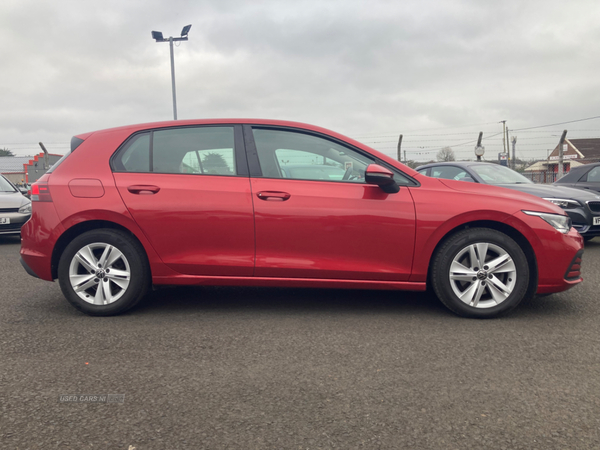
[130,129]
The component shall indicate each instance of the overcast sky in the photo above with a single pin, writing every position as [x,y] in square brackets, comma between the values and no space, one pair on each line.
[436,71]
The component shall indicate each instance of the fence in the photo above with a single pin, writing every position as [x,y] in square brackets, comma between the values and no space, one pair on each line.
[545,177]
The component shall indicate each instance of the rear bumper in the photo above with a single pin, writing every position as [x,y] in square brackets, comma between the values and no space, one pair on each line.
[27,268]
[38,238]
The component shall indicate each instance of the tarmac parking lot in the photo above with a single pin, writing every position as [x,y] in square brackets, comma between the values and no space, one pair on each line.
[250,368]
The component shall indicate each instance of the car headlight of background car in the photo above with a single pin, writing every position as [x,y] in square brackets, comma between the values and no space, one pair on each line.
[558,221]
[25,209]
[564,203]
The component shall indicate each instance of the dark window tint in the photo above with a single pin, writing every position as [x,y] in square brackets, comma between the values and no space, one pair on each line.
[136,156]
[193,150]
[207,150]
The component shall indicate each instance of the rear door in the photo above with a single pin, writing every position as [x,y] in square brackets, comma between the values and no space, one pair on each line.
[188,190]
[318,218]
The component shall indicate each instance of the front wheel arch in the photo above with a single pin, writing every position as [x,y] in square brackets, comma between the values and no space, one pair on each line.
[511,232]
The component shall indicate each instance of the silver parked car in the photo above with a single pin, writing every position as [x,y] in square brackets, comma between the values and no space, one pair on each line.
[15,208]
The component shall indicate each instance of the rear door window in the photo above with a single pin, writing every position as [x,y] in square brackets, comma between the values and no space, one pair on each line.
[190,150]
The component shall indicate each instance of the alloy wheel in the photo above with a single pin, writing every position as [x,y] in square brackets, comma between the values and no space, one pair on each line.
[483,275]
[99,273]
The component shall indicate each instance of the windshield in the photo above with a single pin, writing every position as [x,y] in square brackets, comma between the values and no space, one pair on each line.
[497,174]
[5,186]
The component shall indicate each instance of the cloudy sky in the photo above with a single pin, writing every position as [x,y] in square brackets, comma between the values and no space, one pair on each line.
[436,71]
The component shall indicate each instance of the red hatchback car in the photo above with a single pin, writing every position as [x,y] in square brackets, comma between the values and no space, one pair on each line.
[273,203]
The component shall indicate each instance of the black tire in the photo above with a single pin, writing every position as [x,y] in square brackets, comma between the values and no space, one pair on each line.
[500,288]
[122,289]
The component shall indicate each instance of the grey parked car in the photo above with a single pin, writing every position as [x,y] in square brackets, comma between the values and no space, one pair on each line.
[582,177]
[582,207]
[15,208]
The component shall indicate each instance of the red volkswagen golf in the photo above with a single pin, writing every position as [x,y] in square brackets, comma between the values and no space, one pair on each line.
[273,203]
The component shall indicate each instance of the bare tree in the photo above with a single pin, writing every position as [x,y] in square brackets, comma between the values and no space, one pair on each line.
[446,154]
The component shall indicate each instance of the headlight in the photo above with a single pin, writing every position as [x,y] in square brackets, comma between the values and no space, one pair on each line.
[25,209]
[558,221]
[564,203]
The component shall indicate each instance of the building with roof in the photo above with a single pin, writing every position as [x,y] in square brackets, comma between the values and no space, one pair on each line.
[26,169]
[575,153]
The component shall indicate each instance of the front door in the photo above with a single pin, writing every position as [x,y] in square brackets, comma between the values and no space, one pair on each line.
[316,217]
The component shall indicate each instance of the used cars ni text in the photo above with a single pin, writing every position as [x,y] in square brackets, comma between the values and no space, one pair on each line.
[216,202]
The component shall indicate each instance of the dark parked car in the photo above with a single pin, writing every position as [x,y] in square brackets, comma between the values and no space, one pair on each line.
[582,207]
[586,176]
[208,202]
[15,208]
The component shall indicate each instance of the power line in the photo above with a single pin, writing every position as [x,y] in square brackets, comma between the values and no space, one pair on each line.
[554,124]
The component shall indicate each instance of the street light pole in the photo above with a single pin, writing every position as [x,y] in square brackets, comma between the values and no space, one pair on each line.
[158,37]
[173,79]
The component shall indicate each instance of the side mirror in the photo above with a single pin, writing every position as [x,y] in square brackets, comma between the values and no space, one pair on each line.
[382,177]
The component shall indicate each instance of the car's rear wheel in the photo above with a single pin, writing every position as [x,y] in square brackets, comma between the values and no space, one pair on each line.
[103,272]
[480,272]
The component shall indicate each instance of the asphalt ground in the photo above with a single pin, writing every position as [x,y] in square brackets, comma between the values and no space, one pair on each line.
[241,368]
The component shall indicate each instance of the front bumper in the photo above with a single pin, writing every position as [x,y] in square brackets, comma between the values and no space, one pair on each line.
[17,220]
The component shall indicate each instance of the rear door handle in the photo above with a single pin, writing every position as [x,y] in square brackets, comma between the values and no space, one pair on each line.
[273,196]
[143,189]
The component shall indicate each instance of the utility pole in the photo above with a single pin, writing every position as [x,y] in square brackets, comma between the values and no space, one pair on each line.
[508,148]
[560,155]
[514,144]
[46,160]
[503,122]
[400,151]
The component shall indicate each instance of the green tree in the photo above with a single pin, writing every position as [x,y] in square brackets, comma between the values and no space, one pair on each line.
[215,163]
[6,152]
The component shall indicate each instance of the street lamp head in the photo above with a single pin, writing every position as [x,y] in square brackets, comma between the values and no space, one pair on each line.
[157,36]
[185,30]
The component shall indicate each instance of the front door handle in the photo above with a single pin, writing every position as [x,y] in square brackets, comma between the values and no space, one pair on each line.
[143,189]
[273,196]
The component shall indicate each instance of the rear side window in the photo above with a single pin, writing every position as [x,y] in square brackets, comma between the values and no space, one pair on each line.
[192,150]
[594,175]
[136,157]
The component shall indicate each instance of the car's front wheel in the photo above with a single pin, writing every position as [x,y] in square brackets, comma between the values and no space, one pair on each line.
[480,272]
[103,272]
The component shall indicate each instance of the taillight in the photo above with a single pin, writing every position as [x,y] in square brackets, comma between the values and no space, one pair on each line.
[40,192]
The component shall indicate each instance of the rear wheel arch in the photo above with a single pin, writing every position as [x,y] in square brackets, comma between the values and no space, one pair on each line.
[83,227]
[511,232]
